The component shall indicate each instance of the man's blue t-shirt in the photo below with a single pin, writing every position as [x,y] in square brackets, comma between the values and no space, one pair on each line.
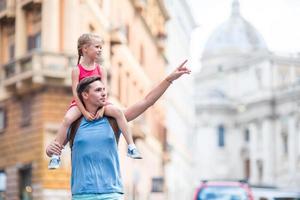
[95,159]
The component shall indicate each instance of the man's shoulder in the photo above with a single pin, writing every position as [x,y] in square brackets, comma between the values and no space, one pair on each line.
[114,126]
[113,123]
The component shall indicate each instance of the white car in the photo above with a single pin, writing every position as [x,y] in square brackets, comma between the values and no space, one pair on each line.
[274,194]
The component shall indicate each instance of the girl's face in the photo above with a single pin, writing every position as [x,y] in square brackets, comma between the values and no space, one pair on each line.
[94,49]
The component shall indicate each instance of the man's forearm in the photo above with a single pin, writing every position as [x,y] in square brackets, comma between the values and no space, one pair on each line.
[137,109]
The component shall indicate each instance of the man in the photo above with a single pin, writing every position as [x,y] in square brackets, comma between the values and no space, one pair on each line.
[95,159]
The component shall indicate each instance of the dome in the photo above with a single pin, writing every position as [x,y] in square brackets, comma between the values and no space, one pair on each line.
[233,37]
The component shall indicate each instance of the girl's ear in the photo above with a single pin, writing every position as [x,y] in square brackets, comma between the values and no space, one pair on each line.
[84,48]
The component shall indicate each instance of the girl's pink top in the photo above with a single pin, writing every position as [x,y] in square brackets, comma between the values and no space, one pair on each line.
[83,73]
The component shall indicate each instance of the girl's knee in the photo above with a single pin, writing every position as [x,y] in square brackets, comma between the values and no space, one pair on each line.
[118,111]
[114,111]
[68,120]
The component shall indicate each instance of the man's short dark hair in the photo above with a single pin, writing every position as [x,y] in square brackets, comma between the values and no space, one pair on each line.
[84,85]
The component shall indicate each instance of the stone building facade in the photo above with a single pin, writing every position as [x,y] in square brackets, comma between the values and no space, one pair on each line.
[38,50]
[247,108]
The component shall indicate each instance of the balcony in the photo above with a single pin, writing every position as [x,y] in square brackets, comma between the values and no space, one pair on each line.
[37,69]
[118,35]
[7,9]
[29,3]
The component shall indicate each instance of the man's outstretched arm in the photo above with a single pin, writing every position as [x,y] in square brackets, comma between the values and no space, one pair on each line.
[137,109]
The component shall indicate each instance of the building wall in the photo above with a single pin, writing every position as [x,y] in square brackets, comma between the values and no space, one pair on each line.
[35,86]
[180,121]
[260,97]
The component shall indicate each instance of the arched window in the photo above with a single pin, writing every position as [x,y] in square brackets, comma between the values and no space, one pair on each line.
[247,135]
[221,136]
[284,138]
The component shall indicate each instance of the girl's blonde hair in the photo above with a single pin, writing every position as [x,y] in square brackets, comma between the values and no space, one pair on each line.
[86,39]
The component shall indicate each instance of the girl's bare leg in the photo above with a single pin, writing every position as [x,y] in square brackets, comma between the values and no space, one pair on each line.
[71,115]
[116,113]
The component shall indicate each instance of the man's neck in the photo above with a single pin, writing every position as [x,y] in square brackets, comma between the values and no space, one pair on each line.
[91,109]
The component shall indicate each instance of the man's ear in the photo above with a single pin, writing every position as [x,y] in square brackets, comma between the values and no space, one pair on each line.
[85,95]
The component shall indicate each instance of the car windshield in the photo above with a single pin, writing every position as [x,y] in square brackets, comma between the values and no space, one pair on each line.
[222,193]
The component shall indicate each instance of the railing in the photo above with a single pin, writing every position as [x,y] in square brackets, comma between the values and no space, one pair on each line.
[40,65]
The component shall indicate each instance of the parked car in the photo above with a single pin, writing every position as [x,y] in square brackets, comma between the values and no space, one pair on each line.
[223,190]
[261,193]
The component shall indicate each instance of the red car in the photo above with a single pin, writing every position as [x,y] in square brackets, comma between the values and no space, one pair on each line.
[223,190]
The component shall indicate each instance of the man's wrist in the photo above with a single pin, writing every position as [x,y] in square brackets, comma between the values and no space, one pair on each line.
[168,80]
[48,153]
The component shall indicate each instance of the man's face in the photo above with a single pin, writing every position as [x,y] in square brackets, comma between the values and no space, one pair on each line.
[96,94]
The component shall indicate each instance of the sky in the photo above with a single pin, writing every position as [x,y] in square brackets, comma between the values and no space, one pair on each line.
[278,21]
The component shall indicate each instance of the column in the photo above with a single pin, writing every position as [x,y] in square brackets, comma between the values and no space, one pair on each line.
[50,25]
[268,138]
[71,25]
[253,153]
[107,8]
[20,33]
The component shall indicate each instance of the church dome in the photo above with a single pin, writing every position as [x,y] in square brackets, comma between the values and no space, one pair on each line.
[235,36]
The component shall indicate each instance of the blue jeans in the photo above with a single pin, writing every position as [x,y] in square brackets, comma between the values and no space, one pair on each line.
[109,196]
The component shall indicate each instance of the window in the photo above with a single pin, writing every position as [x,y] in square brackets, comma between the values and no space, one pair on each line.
[11,50]
[2,5]
[258,74]
[11,41]
[25,187]
[284,138]
[247,135]
[2,119]
[26,111]
[33,17]
[8,41]
[157,184]
[221,136]
[34,41]
[2,184]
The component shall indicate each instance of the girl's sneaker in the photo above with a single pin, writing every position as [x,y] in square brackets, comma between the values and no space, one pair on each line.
[54,162]
[134,153]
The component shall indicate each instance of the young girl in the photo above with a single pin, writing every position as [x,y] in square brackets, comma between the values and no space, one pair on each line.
[89,48]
